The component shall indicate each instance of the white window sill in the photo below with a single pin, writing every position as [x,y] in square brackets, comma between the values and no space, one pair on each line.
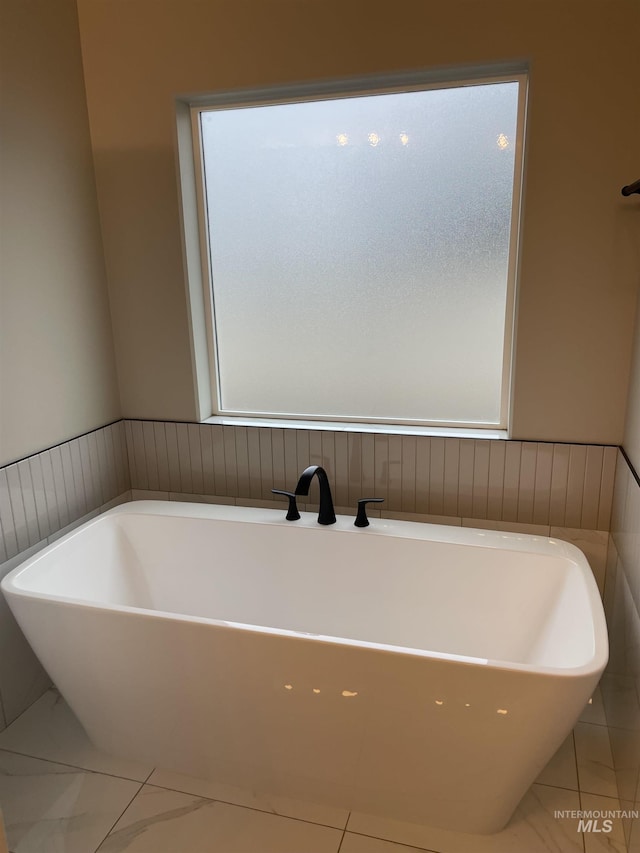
[345,426]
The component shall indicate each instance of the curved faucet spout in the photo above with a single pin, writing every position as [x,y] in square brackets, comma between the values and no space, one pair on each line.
[326,514]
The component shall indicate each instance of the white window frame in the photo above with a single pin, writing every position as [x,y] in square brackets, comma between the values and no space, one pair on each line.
[196,248]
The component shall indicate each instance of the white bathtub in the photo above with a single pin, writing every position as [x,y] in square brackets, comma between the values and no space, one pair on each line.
[418,671]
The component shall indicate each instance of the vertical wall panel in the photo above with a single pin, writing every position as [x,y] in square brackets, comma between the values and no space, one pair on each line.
[607,487]
[559,479]
[591,491]
[395,473]
[542,490]
[195,457]
[291,460]
[173,455]
[78,481]
[354,444]
[250,482]
[302,451]
[184,457]
[423,450]
[408,500]
[230,463]
[6,552]
[7,520]
[90,485]
[242,463]
[277,447]
[381,473]
[451,472]
[17,507]
[136,450]
[266,463]
[219,466]
[160,442]
[480,492]
[98,465]
[341,477]
[150,455]
[575,485]
[206,442]
[527,481]
[28,501]
[436,476]
[315,448]
[511,492]
[368,467]
[495,487]
[465,479]
[49,491]
[103,476]
[121,455]
[60,486]
[39,497]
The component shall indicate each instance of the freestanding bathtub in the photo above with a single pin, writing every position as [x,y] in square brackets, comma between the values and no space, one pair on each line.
[412,670]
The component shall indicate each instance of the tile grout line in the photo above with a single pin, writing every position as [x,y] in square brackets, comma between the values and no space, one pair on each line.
[264,810]
[66,764]
[119,818]
[397,843]
[575,756]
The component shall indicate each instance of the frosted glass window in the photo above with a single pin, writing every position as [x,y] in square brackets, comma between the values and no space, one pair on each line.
[360,251]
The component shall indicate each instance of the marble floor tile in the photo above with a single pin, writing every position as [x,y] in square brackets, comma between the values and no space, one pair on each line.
[312,812]
[598,837]
[161,821]
[49,807]
[561,771]
[596,774]
[50,730]
[353,843]
[532,829]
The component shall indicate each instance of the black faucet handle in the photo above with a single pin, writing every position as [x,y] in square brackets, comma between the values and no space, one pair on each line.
[361,517]
[292,512]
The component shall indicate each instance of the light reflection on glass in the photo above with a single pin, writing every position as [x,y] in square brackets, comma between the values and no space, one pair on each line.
[439,702]
[502,711]
[343,139]
[349,693]
[374,139]
[404,138]
[315,690]
[503,141]
[288,687]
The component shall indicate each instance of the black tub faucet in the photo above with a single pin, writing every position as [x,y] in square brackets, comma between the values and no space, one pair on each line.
[326,514]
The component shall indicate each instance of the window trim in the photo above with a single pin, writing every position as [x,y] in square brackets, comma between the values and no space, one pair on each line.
[196,249]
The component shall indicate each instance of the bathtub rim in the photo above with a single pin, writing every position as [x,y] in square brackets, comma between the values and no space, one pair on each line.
[447,534]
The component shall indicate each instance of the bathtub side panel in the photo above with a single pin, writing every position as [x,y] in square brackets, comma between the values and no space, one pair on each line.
[379,732]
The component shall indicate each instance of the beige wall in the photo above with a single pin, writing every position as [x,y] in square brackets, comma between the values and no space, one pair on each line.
[57,369]
[577,288]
